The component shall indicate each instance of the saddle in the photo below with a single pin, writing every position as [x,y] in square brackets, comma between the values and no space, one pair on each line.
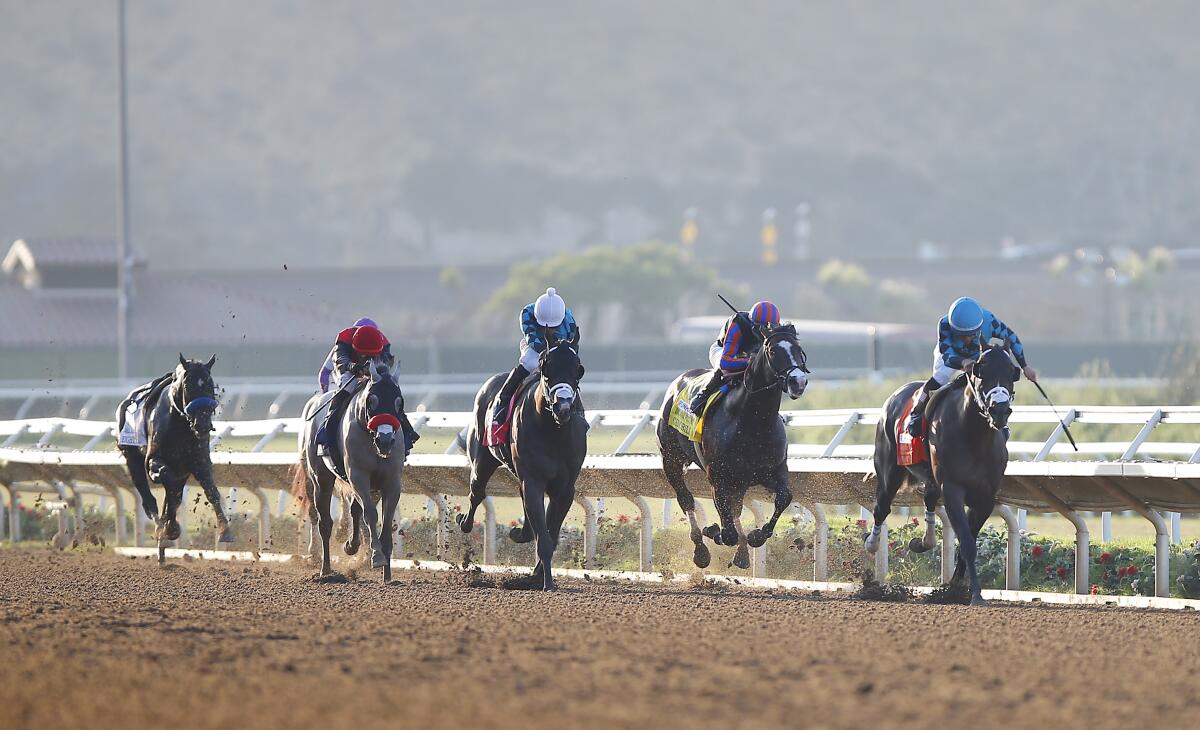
[496,434]
[682,419]
[912,450]
[132,426]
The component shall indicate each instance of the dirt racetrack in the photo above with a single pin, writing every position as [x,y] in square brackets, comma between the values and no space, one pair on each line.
[98,641]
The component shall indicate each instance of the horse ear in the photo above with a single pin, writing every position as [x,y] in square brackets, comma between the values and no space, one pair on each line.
[581,371]
[182,360]
[211,361]
[975,368]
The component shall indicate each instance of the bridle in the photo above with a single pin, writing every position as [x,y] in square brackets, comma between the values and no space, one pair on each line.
[985,401]
[781,376]
[191,410]
[563,389]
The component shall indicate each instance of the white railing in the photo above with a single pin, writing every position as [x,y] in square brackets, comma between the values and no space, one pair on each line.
[833,472]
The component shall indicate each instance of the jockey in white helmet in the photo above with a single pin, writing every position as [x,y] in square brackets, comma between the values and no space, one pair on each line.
[543,321]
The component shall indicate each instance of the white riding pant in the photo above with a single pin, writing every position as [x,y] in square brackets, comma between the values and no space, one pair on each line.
[530,358]
[714,355]
[942,373]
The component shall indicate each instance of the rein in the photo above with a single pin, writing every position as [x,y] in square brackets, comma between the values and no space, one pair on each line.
[781,376]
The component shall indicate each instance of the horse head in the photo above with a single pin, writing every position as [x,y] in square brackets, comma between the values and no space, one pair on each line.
[381,406]
[561,373]
[194,394]
[991,378]
[781,361]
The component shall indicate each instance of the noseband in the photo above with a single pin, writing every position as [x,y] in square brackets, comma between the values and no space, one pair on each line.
[192,409]
[985,401]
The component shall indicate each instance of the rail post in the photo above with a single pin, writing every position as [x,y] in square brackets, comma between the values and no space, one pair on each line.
[1012,565]
[646,533]
[758,555]
[948,553]
[591,528]
[1082,538]
[489,531]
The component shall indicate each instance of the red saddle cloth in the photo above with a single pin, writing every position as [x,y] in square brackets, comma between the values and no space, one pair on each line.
[496,434]
[910,450]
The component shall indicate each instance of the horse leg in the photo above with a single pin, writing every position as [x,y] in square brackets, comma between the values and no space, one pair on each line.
[956,510]
[524,533]
[354,532]
[323,498]
[168,526]
[368,516]
[976,517]
[204,475]
[135,460]
[391,498]
[673,465]
[482,468]
[933,495]
[889,477]
[535,513]
[783,499]
[729,509]
[560,503]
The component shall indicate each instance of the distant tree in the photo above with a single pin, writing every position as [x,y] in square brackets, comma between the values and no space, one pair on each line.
[648,285]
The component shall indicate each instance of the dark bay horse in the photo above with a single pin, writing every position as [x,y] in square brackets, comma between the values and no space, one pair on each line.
[177,417]
[366,435]
[968,452]
[744,443]
[548,444]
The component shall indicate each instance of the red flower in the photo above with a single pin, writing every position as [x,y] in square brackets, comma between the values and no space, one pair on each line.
[1132,570]
[623,519]
[1106,558]
[1037,551]
[862,524]
[513,523]
[1095,589]
[915,521]
[1061,572]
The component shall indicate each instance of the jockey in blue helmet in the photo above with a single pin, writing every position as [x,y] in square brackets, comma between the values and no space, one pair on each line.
[731,352]
[544,322]
[962,334]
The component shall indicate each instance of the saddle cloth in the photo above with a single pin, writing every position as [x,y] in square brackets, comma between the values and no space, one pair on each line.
[496,434]
[683,420]
[910,450]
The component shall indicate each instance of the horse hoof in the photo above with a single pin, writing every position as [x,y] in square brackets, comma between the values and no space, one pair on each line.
[757,538]
[871,543]
[916,545]
[978,601]
[729,536]
[549,587]
[519,535]
[701,557]
[349,547]
[379,563]
[712,532]
[741,561]
[464,524]
[226,535]
[173,530]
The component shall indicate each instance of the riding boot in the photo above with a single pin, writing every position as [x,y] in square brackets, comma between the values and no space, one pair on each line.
[916,420]
[325,439]
[696,404]
[410,434]
[500,405]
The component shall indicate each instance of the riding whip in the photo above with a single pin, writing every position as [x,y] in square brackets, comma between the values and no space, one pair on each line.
[1061,422]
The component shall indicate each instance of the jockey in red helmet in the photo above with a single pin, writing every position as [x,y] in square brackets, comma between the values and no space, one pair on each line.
[731,352]
[356,348]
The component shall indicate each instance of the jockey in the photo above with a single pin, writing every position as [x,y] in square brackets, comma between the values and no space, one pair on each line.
[356,347]
[731,352]
[543,320]
[962,334]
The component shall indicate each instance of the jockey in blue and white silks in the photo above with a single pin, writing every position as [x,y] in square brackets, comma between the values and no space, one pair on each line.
[545,319]
[962,334]
[730,354]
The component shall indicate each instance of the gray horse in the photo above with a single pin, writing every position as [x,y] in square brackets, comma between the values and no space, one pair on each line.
[367,434]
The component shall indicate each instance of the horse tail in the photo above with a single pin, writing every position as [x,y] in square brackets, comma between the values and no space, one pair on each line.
[300,485]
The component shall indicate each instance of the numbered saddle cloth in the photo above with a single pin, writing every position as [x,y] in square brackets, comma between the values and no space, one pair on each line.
[682,419]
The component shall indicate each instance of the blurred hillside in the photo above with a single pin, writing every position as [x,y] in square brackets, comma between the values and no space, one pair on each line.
[378,132]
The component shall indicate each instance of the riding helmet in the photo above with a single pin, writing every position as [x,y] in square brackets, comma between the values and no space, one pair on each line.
[965,316]
[549,310]
[365,321]
[368,340]
[765,312]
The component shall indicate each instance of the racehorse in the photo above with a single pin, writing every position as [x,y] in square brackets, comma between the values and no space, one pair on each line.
[743,443]
[366,435]
[176,420]
[545,452]
[968,452]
